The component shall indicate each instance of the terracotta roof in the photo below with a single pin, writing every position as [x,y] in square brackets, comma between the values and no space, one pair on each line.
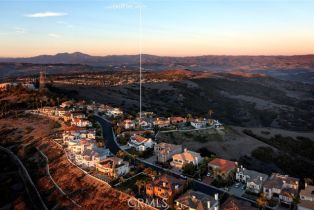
[235,204]
[222,164]
[139,139]
[187,155]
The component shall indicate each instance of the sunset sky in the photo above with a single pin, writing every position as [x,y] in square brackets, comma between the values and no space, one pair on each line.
[175,28]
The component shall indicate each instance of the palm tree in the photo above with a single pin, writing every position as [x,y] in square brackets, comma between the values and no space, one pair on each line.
[139,184]
[261,201]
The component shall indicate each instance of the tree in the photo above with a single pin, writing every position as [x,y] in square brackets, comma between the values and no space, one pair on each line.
[140,184]
[261,201]
[189,169]
[121,154]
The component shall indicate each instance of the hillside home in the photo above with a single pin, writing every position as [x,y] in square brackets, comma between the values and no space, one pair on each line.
[164,151]
[127,124]
[177,120]
[90,157]
[253,179]
[114,112]
[306,198]
[113,167]
[181,159]
[166,187]
[195,200]
[282,186]
[140,143]
[66,104]
[222,167]
[198,123]
[161,122]
[81,122]
[50,111]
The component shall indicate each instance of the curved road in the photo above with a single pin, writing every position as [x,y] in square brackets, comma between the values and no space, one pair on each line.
[114,147]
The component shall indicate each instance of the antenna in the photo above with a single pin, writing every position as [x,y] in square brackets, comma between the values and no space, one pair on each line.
[140,49]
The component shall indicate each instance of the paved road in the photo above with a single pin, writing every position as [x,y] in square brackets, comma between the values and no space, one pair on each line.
[113,146]
[35,198]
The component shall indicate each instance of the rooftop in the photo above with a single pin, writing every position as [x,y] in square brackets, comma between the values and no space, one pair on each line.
[222,164]
[195,199]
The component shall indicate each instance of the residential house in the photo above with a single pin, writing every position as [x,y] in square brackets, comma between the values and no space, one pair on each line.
[282,186]
[145,123]
[113,167]
[140,143]
[235,204]
[195,200]
[50,111]
[81,122]
[253,179]
[164,151]
[114,112]
[181,159]
[90,157]
[61,112]
[222,167]
[198,123]
[306,198]
[128,124]
[66,104]
[79,115]
[161,122]
[166,187]
[177,120]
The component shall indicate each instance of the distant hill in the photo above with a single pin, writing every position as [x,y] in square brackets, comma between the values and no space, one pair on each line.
[207,62]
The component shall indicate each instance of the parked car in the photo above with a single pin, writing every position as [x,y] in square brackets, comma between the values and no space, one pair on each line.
[183,177]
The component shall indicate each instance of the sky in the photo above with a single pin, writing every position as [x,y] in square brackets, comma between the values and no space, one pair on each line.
[159,27]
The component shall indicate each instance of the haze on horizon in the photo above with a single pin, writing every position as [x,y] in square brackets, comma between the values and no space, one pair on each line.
[176,28]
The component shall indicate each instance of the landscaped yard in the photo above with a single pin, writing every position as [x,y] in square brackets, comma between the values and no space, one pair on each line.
[131,184]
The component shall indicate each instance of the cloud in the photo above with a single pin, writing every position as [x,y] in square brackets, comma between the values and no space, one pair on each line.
[46,14]
[54,35]
[19,30]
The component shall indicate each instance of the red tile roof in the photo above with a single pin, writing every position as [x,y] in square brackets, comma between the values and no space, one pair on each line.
[223,165]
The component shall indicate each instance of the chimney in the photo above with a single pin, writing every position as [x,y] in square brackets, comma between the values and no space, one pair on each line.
[208,204]
[216,196]
[261,178]
[164,184]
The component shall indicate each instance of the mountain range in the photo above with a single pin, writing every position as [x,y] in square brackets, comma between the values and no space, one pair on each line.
[206,62]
